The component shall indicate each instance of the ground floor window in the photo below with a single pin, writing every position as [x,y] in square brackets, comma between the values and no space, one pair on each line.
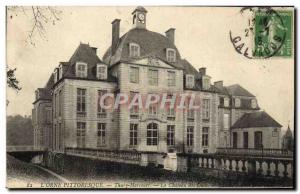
[171,135]
[101,134]
[205,139]
[245,139]
[133,134]
[152,134]
[190,135]
[81,127]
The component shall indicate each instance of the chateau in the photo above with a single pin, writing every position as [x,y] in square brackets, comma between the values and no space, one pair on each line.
[67,113]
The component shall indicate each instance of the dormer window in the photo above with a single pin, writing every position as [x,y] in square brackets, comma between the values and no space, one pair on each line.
[101,71]
[190,81]
[171,55]
[253,103]
[205,82]
[237,102]
[81,69]
[226,102]
[36,94]
[134,50]
[55,75]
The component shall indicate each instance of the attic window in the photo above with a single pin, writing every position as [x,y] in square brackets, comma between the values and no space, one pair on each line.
[237,102]
[190,81]
[60,72]
[253,103]
[171,55]
[101,71]
[205,82]
[55,75]
[134,50]
[81,69]
[226,102]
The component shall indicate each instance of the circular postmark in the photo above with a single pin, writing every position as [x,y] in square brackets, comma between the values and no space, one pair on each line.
[260,34]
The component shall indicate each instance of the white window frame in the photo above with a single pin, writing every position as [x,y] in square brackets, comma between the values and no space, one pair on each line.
[189,81]
[171,58]
[170,135]
[134,110]
[153,77]
[134,74]
[60,72]
[101,134]
[134,50]
[80,134]
[101,74]
[171,78]
[206,109]
[152,134]
[205,136]
[55,75]
[226,122]
[190,136]
[226,102]
[237,102]
[253,103]
[133,134]
[79,72]
[206,82]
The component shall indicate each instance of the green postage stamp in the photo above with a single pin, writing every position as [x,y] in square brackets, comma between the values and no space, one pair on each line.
[273,33]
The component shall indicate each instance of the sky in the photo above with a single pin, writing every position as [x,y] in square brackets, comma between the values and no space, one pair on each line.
[202,37]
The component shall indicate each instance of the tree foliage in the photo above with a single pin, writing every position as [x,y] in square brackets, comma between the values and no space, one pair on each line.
[19,130]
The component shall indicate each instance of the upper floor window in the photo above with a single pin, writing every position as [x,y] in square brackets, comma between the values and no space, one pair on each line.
[60,72]
[133,134]
[101,112]
[237,102]
[226,102]
[205,137]
[171,78]
[134,74]
[253,103]
[171,55]
[81,100]
[190,136]
[226,121]
[101,134]
[170,135]
[101,71]
[153,77]
[134,109]
[134,50]
[55,75]
[190,81]
[206,109]
[205,82]
[81,69]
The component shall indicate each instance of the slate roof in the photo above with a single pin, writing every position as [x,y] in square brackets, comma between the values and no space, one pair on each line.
[255,119]
[237,90]
[151,43]
[87,54]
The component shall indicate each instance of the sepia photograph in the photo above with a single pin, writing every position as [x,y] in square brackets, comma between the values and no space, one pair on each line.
[150,97]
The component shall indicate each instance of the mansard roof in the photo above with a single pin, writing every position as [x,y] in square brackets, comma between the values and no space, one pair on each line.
[85,53]
[255,119]
[237,90]
[151,43]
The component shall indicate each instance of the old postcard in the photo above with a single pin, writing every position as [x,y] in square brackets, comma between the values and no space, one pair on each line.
[148,97]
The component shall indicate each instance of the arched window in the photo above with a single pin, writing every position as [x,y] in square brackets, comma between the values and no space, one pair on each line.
[152,134]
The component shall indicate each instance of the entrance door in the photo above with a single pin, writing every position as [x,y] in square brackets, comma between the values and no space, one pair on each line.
[234,139]
[258,140]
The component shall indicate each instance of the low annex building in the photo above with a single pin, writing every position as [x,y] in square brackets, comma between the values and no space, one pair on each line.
[67,113]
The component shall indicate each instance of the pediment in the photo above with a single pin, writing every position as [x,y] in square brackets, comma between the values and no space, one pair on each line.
[152,61]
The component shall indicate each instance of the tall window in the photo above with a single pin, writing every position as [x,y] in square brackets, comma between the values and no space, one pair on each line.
[245,136]
[226,122]
[152,134]
[101,112]
[133,134]
[206,109]
[134,50]
[81,127]
[170,135]
[253,103]
[134,74]
[81,104]
[170,109]
[101,71]
[190,81]
[81,69]
[101,134]
[55,101]
[134,110]
[226,102]
[190,136]
[60,138]
[60,103]
[171,55]
[171,78]
[153,77]
[237,102]
[205,139]
[206,83]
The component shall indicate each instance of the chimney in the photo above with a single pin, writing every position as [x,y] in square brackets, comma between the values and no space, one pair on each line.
[115,35]
[218,84]
[202,71]
[170,34]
